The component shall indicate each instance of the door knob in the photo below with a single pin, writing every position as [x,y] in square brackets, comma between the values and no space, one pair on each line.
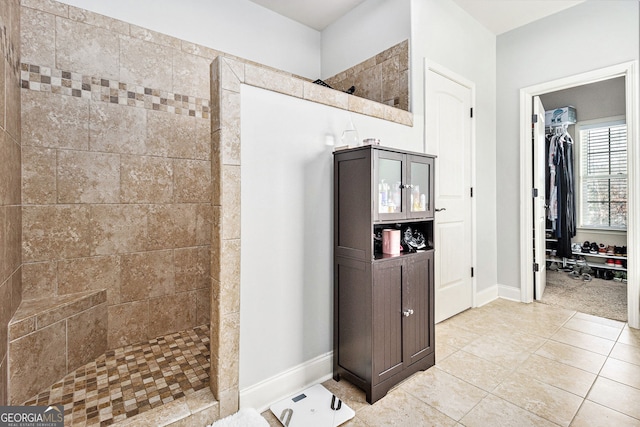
[441,209]
[407,313]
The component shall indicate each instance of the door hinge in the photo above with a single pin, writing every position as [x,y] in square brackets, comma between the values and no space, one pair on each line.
[536,267]
[471,191]
[534,192]
[472,272]
[471,112]
[534,118]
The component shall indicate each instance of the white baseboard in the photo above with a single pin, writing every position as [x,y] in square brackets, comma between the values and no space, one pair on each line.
[510,293]
[486,296]
[269,391]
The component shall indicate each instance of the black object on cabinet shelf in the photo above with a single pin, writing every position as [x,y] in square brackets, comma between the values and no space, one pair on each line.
[383,303]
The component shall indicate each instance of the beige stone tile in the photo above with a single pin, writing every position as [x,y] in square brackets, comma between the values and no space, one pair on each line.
[3,92]
[5,315]
[593,328]
[9,170]
[600,320]
[13,231]
[368,83]
[36,359]
[87,49]
[4,268]
[38,176]
[128,324]
[65,124]
[15,282]
[117,229]
[496,412]
[90,274]
[216,243]
[323,95]
[50,6]
[500,352]
[196,49]
[628,353]
[155,37]
[55,232]
[37,37]
[146,275]
[116,128]
[616,396]
[630,336]
[163,415]
[231,74]
[474,370]
[231,189]
[593,415]
[203,305]
[191,75]
[74,304]
[622,372]
[366,107]
[192,180]
[443,351]
[558,374]
[102,21]
[348,393]
[216,169]
[390,78]
[146,179]
[172,226]
[171,135]
[446,393]
[192,268]
[86,177]
[86,336]
[273,80]
[230,128]
[203,139]
[229,401]
[403,409]
[230,276]
[399,116]
[13,119]
[172,313]
[230,345]
[155,71]
[4,392]
[204,223]
[544,400]
[39,280]
[572,356]
[585,341]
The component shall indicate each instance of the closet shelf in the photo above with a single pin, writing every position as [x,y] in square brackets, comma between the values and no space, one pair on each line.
[570,261]
[599,255]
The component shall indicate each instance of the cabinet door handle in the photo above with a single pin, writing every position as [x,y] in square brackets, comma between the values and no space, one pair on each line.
[407,313]
[406,185]
[441,209]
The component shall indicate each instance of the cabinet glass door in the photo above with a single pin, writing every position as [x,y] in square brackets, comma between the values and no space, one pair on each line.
[390,195]
[420,187]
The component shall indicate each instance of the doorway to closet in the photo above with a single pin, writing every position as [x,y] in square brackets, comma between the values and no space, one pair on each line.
[584,153]
[623,75]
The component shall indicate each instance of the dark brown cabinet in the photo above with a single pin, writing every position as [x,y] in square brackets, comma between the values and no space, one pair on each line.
[383,304]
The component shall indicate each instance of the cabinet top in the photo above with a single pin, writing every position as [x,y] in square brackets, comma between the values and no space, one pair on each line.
[381,148]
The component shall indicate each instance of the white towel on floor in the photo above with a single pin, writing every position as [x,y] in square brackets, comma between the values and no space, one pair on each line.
[247,417]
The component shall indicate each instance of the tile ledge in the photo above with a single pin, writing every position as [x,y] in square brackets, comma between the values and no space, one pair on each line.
[36,306]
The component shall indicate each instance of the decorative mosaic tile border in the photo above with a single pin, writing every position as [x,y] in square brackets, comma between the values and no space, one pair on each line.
[46,79]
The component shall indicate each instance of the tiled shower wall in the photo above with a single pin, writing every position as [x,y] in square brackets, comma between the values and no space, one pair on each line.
[116,169]
[383,78]
[10,217]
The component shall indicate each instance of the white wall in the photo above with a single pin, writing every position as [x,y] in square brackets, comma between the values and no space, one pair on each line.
[237,27]
[445,34]
[365,31]
[286,312]
[589,36]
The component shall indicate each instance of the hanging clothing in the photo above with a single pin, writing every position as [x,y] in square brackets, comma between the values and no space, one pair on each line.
[561,201]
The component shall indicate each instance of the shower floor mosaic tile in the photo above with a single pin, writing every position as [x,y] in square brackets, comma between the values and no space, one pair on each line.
[131,380]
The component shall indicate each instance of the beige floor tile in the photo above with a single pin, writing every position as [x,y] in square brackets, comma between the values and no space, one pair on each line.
[593,415]
[630,336]
[450,334]
[593,328]
[475,370]
[527,342]
[617,396]
[443,351]
[558,374]
[499,352]
[628,353]
[399,408]
[601,320]
[542,399]
[496,412]
[585,341]
[572,356]
[622,372]
[444,392]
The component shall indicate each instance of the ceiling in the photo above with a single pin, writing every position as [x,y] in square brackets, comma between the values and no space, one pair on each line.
[498,16]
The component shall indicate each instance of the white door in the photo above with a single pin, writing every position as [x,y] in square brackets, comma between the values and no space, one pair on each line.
[448,135]
[539,210]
